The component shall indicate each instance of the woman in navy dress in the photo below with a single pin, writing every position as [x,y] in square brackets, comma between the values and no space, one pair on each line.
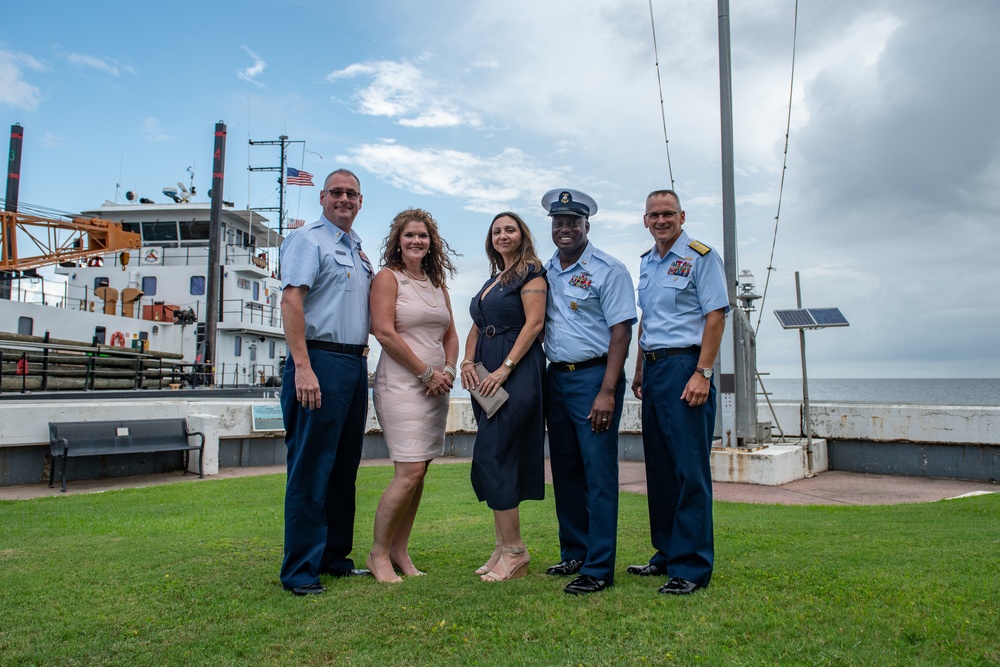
[508,314]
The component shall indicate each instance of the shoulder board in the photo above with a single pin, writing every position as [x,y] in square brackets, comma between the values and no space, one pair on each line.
[699,247]
[647,252]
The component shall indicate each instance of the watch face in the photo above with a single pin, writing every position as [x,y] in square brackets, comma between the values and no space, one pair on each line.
[707,372]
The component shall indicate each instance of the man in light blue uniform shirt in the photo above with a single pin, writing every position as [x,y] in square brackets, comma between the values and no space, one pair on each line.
[684,302]
[588,327]
[324,394]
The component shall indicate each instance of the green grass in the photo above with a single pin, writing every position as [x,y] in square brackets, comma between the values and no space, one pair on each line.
[186,574]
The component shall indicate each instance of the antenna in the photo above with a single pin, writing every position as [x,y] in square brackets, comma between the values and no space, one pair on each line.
[283,142]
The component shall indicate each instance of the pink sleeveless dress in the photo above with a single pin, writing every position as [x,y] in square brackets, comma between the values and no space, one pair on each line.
[413,423]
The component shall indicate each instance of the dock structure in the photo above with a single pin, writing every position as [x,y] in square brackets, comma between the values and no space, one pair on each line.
[959,442]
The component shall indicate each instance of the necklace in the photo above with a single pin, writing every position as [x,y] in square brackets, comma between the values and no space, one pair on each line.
[413,281]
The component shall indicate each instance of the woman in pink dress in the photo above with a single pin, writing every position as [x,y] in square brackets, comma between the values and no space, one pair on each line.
[412,321]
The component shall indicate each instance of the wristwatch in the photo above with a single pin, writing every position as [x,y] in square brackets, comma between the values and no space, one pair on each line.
[704,372]
[509,364]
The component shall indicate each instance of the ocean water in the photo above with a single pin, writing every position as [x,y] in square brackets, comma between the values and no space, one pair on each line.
[978,391]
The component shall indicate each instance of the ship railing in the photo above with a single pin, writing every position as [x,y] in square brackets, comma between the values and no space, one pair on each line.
[27,366]
[239,255]
[251,313]
[244,375]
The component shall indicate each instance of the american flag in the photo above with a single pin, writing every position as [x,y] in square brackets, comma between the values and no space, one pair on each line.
[297,177]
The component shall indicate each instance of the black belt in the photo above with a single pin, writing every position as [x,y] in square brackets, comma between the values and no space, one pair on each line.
[580,365]
[491,330]
[359,350]
[664,352]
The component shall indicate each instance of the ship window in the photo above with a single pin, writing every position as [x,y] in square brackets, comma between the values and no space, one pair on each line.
[238,349]
[25,326]
[149,285]
[159,231]
[100,281]
[194,230]
[197,285]
[131,227]
[256,291]
[270,352]
[100,334]
[253,353]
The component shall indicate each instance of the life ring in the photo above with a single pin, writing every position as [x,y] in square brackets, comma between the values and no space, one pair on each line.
[118,339]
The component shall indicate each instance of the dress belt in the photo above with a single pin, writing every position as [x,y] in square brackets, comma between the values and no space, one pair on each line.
[358,350]
[580,365]
[490,330]
[664,352]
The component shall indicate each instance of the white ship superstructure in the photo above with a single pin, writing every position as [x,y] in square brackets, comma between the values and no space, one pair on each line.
[154,298]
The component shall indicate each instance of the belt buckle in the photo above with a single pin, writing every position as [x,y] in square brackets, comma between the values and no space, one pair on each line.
[364,352]
[490,331]
[570,367]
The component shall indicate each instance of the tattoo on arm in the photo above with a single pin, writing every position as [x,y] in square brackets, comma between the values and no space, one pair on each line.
[533,291]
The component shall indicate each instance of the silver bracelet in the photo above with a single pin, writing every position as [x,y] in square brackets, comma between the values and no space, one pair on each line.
[450,370]
[426,376]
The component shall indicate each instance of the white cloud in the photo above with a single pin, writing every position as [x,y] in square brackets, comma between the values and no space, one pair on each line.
[251,73]
[483,184]
[154,132]
[400,90]
[101,64]
[14,90]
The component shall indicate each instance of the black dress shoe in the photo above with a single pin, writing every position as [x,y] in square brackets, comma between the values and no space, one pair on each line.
[648,570]
[353,572]
[565,568]
[308,589]
[585,584]
[678,586]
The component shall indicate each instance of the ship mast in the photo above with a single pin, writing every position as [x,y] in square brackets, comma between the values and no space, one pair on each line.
[283,142]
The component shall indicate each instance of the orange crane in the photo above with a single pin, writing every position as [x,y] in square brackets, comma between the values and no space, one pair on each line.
[87,238]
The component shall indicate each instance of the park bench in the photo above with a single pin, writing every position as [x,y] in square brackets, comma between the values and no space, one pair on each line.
[120,436]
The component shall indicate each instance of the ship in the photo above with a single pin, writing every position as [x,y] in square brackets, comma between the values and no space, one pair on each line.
[127,306]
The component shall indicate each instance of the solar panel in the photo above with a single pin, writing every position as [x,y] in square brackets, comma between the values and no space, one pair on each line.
[794,319]
[828,317]
[811,318]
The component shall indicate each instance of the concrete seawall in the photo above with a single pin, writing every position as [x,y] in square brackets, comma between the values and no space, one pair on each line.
[931,441]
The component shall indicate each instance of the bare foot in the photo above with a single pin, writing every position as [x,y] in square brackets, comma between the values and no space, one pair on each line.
[383,572]
[406,566]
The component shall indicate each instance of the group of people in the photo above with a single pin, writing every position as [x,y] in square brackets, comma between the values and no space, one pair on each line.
[554,335]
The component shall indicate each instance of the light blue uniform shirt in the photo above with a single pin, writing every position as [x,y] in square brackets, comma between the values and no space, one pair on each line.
[585,300]
[330,262]
[676,292]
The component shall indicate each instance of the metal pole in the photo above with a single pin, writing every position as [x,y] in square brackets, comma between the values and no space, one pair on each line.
[805,381]
[736,384]
[213,289]
[281,185]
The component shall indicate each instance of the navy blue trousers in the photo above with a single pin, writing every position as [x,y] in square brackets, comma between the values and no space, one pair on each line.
[324,451]
[677,441]
[584,470]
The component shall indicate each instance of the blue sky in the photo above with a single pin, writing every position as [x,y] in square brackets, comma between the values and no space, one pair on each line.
[470,108]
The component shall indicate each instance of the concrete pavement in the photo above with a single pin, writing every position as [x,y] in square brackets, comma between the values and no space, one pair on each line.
[828,488]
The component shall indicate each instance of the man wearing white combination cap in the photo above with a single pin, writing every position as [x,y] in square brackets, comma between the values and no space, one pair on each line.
[588,327]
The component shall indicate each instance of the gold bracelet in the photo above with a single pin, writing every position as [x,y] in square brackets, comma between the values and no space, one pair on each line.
[466,361]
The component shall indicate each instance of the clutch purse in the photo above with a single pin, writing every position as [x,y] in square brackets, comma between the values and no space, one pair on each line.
[488,403]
